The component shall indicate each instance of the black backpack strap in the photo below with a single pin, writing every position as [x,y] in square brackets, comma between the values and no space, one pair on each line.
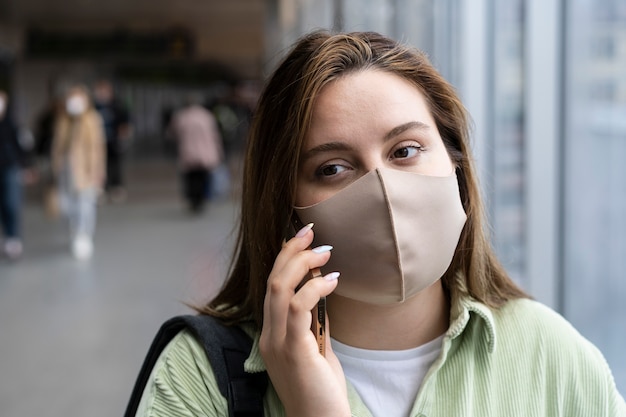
[227,348]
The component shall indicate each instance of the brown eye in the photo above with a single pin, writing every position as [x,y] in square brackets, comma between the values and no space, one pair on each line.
[401,153]
[329,170]
[406,152]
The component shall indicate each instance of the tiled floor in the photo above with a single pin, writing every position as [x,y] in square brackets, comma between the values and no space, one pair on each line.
[73,333]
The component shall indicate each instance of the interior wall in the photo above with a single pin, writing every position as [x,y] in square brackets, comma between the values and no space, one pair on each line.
[228,33]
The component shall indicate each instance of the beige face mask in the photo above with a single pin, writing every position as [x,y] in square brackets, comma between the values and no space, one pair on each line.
[393,233]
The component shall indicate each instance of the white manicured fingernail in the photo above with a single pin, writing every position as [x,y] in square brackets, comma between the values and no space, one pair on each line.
[322,249]
[331,276]
[304,230]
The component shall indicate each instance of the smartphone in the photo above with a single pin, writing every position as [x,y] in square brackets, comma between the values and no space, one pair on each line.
[318,323]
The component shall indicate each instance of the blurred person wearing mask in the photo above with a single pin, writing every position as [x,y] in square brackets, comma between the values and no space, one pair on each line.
[200,150]
[12,158]
[117,130]
[78,159]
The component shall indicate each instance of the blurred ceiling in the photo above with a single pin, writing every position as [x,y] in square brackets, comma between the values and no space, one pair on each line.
[227,31]
[217,13]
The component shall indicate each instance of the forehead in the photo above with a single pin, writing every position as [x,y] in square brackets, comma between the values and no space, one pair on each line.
[367,101]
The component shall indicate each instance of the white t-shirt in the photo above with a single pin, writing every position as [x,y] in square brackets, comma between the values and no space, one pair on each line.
[387,380]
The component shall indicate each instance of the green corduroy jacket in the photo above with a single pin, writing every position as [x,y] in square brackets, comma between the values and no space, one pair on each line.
[520,360]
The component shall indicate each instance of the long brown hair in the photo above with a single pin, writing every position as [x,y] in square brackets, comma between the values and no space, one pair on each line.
[281,121]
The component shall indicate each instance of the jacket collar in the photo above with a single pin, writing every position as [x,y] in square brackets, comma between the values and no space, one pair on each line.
[463,310]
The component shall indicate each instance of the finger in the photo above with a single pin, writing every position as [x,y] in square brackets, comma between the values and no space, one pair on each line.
[299,242]
[301,304]
[300,267]
[282,286]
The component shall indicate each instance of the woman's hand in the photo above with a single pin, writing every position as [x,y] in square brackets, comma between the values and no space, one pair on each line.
[307,383]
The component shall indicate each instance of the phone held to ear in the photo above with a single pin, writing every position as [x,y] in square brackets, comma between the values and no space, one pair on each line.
[318,323]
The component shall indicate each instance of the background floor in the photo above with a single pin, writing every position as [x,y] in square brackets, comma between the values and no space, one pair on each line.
[73,333]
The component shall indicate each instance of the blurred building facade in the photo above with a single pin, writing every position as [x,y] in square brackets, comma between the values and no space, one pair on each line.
[544,80]
[156,51]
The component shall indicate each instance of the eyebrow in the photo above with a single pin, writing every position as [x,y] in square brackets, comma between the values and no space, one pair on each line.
[342,146]
[398,130]
[325,147]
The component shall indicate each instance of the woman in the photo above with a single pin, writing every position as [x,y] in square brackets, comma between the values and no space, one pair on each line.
[13,157]
[78,160]
[363,139]
[199,150]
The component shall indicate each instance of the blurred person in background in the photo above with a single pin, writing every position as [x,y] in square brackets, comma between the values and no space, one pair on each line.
[44,133]
[200,150]
[13,157]
[233,116]
[45,120]
[78,159]
[117,128]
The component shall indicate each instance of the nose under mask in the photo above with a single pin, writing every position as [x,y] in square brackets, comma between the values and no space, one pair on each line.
[393,233]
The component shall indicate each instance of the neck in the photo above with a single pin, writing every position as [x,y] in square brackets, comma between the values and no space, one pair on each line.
[416,321]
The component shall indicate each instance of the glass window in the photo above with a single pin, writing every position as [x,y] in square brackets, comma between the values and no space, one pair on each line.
[595,177]
[374,15]
[507,188]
